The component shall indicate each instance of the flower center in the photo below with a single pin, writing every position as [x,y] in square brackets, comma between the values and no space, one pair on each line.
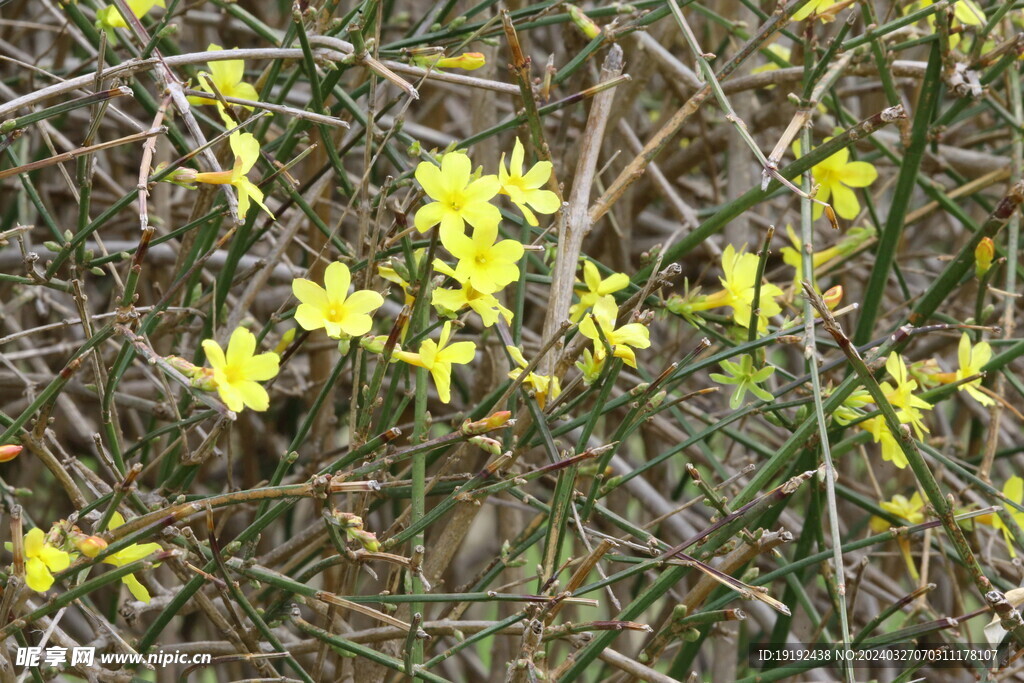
[481,259]
[234,373]
[335,313]
[456,201]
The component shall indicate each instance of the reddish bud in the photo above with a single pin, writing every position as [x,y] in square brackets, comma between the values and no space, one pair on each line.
[9,452]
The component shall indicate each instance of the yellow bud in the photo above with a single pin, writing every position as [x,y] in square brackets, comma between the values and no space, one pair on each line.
[286,340]
[584,23]
[491,422]
[467,61]
[983,255]
[833,296]
[90,546]
[9,452]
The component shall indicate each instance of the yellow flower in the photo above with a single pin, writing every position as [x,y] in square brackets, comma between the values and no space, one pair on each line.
[739,272]
[438,357]
[331,307]
[110,17]
[387,271]
[836,175]
[247,153]
[238,372]
[901,396]
[891,450]
[458,198]
[965,11]
[595,289]
[544,387]
[227,78]
[132,553]
[41,558]
[486,305]
[972,360]
[911,511]
[620,339]
[823,9]
[525,190]
[485,264]
[1014,490]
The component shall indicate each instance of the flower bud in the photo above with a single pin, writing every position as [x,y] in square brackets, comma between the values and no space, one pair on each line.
[367,539]
[182,176]
[590,366]
[374,344]
[90,546]
[9,452]
[833,296]
[983,255]
[467,61]
[490,423]
[286,340]
[487,444]
[584,23]
[200,378]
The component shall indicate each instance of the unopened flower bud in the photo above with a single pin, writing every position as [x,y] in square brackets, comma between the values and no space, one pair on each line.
[490,423]
[584,23]
[487,444]
[286,340]
[590,366]
[90,546]
[9,452]
[367,539]
[467,61]
[657,399]
[374,344]
[983,255]
[200,378]
[182,176]
[833,296]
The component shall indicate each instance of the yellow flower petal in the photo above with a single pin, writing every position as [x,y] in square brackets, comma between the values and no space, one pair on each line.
[310,293]
[37,576]
[138,591]
[241,346]
[57,560]
[429,177]
[33,543]
[858,174]
[428,216]
[253,395]
[845,201]
[337,280]
[262,367]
